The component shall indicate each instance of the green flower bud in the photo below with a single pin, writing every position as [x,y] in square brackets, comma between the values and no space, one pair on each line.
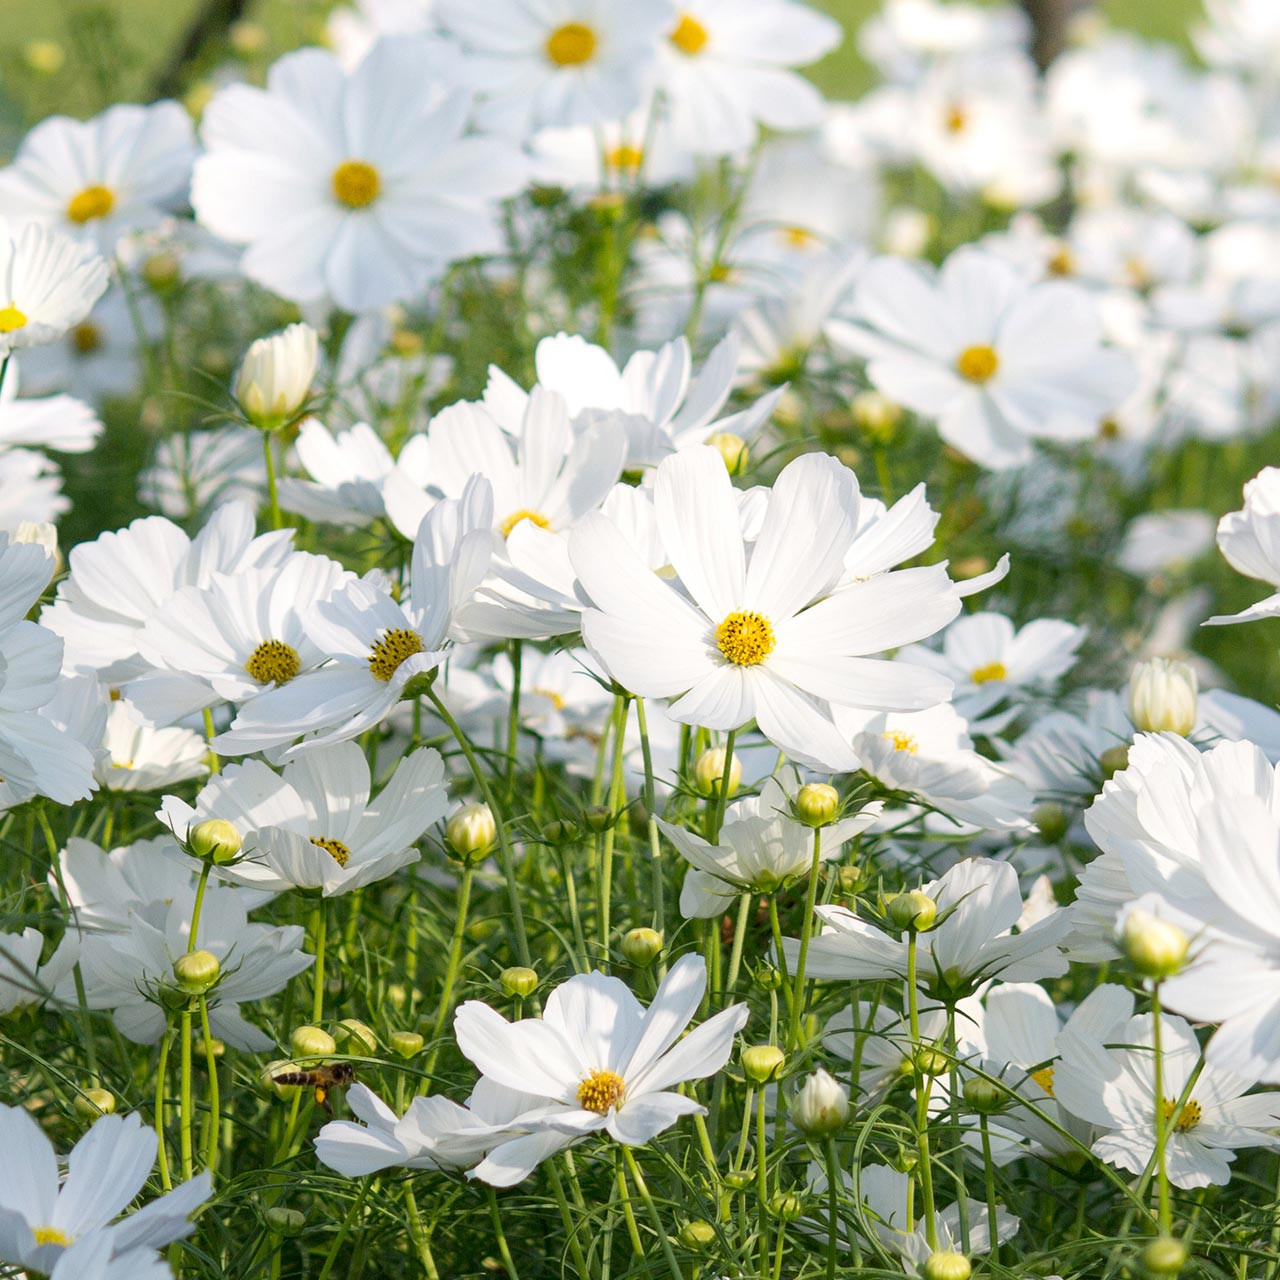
[356,1037]
[1155,948]
[984,1097]
[641,947]
[519,981]
[931,1062]
[1114,760]
[285,1222]
[279,1067]
[762,1062]
[733,449]
[739,1179]
[1164,1257]
[406,1043]
[697,1235]
[196,971]
[93,1103]
[214,839]
[817,804]
[312,1042]
[708,772]
[559,831]
[1052,820]
[472,831]
[786,1205]
[599,817]
[946,1264]
[876,416]
[914,912]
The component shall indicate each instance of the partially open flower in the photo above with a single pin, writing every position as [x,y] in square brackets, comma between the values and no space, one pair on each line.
[1162,697]
[276,375]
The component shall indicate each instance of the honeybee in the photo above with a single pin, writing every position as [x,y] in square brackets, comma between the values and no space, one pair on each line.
[325,1077]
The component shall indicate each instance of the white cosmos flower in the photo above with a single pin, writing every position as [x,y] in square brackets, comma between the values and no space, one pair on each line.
[37,756]
[131,973]
[1115,1089]
[725,70]
[930,755]
[45,422]
[376,644]
[357,186]
[758,636]
[314,826]
[349,473]
[660,405]
[989,660]
[597,1062]
[543,63]
[43,1216]
[550,476]
[1250,541]
[98,179]
[139,758]
[23,979]
[761,848]
[995,360]
[122,579]
[231,639]
[48,283]
[973,943]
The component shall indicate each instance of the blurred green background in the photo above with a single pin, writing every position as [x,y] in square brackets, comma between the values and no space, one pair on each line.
[115,50]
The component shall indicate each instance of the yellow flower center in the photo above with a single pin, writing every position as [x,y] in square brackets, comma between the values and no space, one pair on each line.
[978,364]
[390,650]
[11,319]
[746,639]
[901,741]
[1061,263]
[273,662]
[334,848]
[720,273]
[551,696]
[92,202]
[1044,1078]
[992,671]
[690,36]
[356,184]
[798,237]
[122,764]
[534,517]
[51,1235]
[571,45]
[1187,1118]
[86,338]
[957,119]
[601,1091]
[624,158]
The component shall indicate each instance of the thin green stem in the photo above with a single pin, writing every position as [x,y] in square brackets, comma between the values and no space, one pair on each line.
[215,1100]
[319,934]
[566,1217]
[834,1182]
[273,497]
[925,1168]
[162,1070]
[185,1105]
[1164,1198]
[513,716]
[198,906]
[989,1172]
[504,1250]
[642,1187]
[453,965]
[806,932]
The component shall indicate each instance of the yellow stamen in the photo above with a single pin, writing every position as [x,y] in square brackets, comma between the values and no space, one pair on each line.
[690,36]
[957,118]
[601,1092]
[273,662]
[11,319]
[1044,1078]
[746,639]
[992,671]
[798,237]
[571,45]
[51,1235]
[1061,263]
[390,650]
[534,517]
[334,848]
[551,696]
[978,364]
[356,184]
[624,158]
[92,202]
[901,741]
[1187,1118]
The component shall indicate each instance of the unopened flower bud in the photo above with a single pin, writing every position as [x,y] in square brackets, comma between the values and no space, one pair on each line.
[45,57]
[355,1036]
[279,1067]
[39,533]
[285,1222]
[406,1044]
[196,971]
[930,1062]
[1164,1257]
[247,38]
[849,879]
[275,376]
[739,1179]
[519,981]
[93,1103]
[472,831]
[822,1105]
[559,831]
[708,773]
[1052,821]
[697,1235]
[984,1097]
[1153,946]
[162,270]
[599,817]
[817,804]
[762,1062]
[1114,760]
[311,1042]
[641,947]
[786,1205]
[733,449]
[1162,697]
[946,1264]
[876,416]
[215,839]
[914,911]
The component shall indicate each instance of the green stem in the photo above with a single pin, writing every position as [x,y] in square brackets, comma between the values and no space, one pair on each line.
[273,497]
[638,1178]
[655,846]
[419,1234]
[1162,1121]
[922,1095]
[198,906]
[566,1217]
[345,1230]
[504,1251]
[513,716]
[505,852]
[616,794]
[215,1100]
[162,1068]
[319,933]
[806,932]
[990,1173]
[833,1206]
[453,965]
[739,936]
[184,1098]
